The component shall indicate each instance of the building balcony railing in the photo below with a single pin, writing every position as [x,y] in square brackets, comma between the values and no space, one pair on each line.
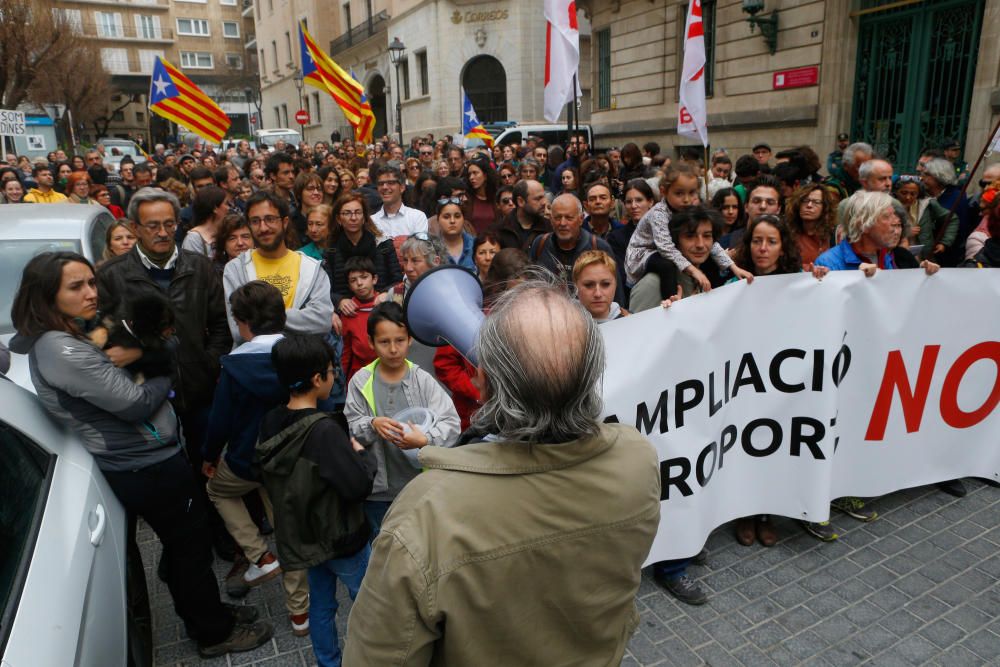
[360,33]
[247,8]
[137,4]
[251,42]
[126,31]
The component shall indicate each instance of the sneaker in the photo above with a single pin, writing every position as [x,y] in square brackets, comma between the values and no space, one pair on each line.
[684,589]
[300,624]
[854,507]
[953,487]
[242,638]
[821,530]
[265,569]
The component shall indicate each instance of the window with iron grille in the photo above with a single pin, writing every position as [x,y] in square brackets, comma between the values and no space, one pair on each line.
[604,68]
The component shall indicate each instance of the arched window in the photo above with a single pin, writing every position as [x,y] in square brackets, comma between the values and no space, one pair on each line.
[485,82]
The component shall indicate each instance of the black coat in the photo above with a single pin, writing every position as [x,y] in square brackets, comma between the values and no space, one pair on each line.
[383,255]
[199,306]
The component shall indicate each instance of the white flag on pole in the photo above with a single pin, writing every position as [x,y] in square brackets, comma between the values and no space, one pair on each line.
[562,56]
[692,112]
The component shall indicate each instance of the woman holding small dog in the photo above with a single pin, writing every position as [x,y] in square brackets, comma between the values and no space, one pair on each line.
[132,432]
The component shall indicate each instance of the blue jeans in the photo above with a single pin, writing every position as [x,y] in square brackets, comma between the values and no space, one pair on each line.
[323,601]
[376,510]
[671,569]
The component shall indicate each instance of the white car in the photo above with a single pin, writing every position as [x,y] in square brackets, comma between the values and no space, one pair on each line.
[116,149]
[63,562]
[31,229]
[64,599]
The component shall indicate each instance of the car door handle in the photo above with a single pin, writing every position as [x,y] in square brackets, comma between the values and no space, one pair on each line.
[97,532]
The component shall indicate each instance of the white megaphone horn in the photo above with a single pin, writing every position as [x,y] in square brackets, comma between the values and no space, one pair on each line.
[445,307]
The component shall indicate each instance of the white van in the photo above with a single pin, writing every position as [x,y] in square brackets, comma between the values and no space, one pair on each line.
[551,134]
[266,139]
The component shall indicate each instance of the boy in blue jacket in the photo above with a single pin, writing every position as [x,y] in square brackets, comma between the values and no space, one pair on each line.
[248,388]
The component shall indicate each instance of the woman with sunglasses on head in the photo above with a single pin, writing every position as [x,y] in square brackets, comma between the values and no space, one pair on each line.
[353,234]
[458,243]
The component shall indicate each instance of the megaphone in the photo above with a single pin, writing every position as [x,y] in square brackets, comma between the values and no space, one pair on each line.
[445,307]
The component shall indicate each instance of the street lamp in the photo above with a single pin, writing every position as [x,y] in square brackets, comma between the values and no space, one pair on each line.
[396,51]
[298,84]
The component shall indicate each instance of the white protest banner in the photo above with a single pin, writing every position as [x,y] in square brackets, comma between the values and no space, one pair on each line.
[778,396]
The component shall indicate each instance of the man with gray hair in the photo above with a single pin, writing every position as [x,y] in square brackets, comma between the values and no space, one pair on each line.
[847,178]
[155,268]
[471,565]
[875,175]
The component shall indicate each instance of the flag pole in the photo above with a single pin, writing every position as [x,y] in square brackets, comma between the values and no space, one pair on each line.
[982,154]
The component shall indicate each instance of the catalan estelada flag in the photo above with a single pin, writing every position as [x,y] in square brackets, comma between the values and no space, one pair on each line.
[365,129]
[319,71]
[175,97]
[471,127]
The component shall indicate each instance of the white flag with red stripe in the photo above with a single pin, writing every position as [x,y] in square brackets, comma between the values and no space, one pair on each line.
[692,111]
[562,56]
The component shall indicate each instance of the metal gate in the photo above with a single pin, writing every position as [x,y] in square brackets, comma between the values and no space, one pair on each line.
[915,71]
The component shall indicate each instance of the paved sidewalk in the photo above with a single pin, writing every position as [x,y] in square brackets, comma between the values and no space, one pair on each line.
[919,586]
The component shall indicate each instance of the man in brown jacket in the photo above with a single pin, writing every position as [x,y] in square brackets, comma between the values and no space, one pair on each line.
[526,548]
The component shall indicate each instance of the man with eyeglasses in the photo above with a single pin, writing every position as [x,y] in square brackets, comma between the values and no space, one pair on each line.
[156,267]
[395,219]
[455,157]
[304,285]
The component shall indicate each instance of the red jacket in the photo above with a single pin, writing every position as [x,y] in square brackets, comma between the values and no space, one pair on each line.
[455,373]
[358,352]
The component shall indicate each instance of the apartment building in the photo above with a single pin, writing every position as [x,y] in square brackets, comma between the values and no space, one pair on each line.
[204,38]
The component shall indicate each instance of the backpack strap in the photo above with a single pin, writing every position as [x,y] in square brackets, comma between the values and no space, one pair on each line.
[541,245]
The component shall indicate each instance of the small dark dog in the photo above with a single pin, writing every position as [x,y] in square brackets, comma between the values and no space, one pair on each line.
[148,326]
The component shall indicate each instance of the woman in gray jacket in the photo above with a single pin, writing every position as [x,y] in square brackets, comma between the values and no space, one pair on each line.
[131,430]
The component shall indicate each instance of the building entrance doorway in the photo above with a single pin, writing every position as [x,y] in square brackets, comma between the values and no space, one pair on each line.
[915,70]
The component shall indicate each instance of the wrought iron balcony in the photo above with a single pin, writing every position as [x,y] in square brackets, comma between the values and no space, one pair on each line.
[373,26]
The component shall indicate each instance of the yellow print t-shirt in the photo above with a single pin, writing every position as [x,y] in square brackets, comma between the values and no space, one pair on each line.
[282,273]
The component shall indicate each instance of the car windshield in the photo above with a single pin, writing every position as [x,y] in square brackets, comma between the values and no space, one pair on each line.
[14,254]
[113,150]
[272,139]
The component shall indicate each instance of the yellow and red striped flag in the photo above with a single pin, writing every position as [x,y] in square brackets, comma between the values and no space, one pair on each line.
[319,71]
[364,131]
[175,97]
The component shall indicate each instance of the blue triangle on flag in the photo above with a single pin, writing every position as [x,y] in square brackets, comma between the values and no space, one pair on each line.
[162,86]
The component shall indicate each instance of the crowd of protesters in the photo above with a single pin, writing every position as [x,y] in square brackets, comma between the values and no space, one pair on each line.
[281,277]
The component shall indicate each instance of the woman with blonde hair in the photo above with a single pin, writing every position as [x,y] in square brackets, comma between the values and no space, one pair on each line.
[595,277]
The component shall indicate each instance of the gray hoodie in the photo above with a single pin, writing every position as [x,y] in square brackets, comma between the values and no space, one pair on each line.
[312,309]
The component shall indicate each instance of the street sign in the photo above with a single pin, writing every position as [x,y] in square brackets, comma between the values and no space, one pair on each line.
[12,123]
[302,117]
[796,78]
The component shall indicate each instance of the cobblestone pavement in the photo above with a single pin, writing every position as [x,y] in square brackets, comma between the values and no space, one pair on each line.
[918,586]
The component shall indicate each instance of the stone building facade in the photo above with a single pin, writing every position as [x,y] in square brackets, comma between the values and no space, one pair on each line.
[495,50]
[901,75]
[205,38]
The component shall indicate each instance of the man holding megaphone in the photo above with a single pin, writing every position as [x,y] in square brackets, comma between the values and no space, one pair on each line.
[525,548]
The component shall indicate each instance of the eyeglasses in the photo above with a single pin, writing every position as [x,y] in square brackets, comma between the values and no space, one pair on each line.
[153,227]
[388,183]
[506,201]
[983,183]
[812,202]
[313,188]
[352,214]
[450,200]
[267,220]
[427,152]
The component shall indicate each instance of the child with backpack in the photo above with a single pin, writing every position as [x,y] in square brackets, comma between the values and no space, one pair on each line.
[317,479]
